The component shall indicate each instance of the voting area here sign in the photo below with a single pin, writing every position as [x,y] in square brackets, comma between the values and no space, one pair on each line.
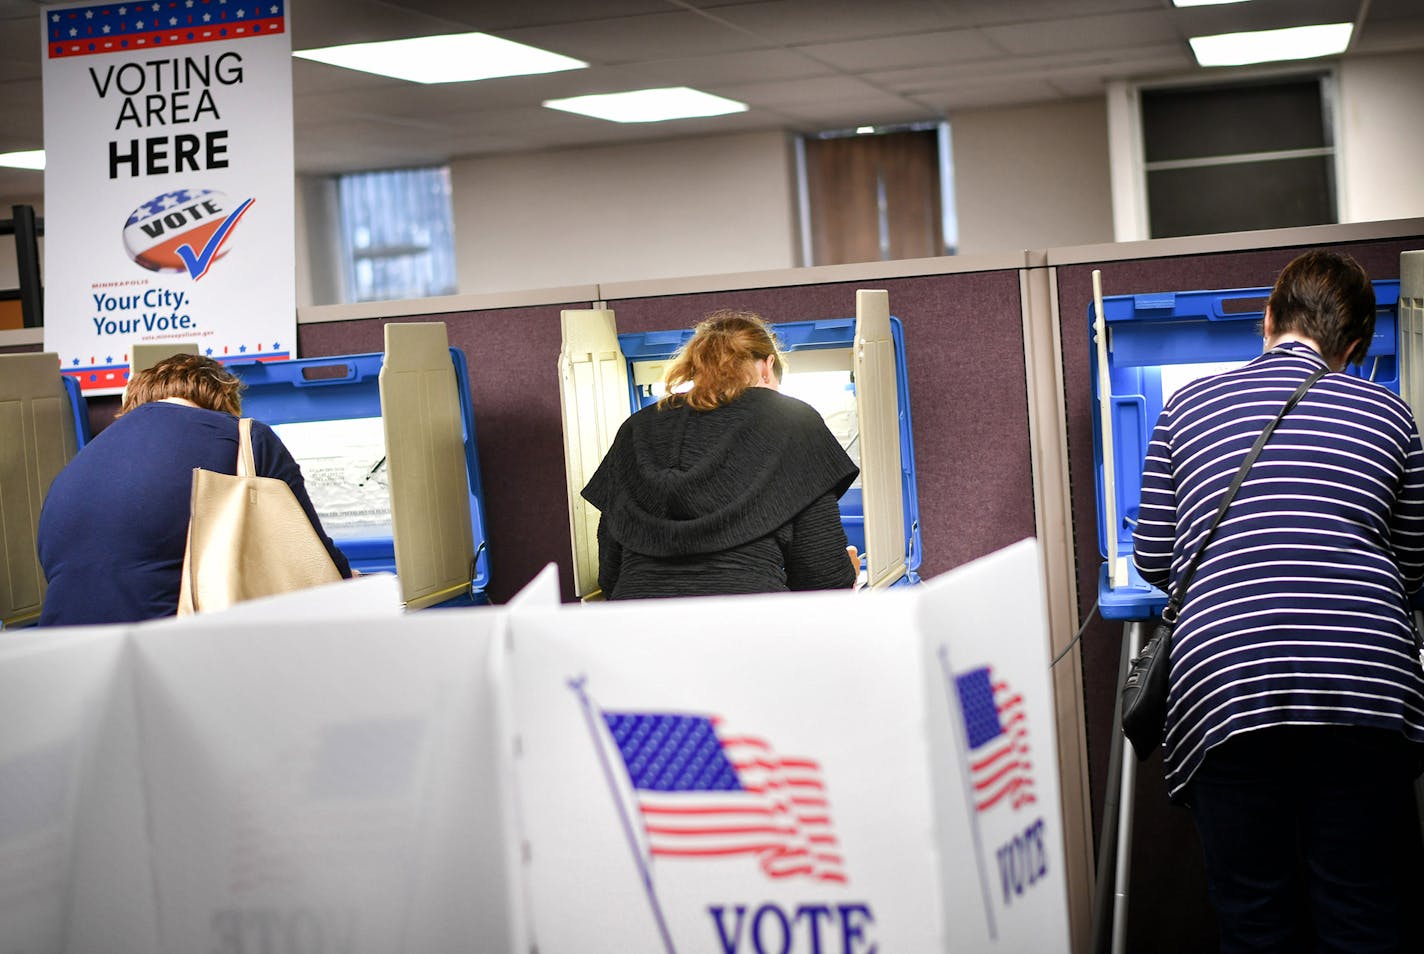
[809,773]
[169,190]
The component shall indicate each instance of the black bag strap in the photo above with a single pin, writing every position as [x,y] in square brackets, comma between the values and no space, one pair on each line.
[1178,594]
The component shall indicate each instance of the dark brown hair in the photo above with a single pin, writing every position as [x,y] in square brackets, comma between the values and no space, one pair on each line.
[1327,297]
[193,377]
[718,360]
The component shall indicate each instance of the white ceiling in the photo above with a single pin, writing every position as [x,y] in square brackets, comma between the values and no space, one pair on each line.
[801,65]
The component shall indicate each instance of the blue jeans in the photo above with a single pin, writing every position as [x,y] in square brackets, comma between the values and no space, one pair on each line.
[1304,829]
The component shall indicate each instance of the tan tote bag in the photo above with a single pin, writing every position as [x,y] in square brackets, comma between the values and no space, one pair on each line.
[247,537]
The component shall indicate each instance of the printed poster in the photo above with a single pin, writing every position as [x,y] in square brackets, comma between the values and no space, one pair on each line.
[169,204]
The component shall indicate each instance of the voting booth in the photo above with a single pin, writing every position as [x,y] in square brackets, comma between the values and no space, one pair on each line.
[851,370]
[1145,347]
[322,772]
[386,443]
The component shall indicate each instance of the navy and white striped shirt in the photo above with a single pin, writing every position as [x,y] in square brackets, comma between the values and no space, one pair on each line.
[1298,613]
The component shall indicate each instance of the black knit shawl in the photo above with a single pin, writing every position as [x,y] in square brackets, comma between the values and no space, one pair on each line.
[679,482]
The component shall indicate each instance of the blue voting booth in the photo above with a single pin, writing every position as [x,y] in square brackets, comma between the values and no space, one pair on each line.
[828,385]
[1155,344]
[852,370]
[328,412]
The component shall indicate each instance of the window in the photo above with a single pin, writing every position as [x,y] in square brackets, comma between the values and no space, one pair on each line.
[397,234]
[876,194]
[1240,156]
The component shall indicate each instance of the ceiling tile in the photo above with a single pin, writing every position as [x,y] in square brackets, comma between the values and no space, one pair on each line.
[630,39]
[860,56]
[969,96]
[848,114]
[799,22]
[792,92]
[1142,61]
[486,16]
[1085,33]
[760,65]
[998,12]
[20,39]
[318,23]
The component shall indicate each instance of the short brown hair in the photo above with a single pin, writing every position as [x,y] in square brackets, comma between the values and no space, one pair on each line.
[192,377]
[1327,297]
[718,360]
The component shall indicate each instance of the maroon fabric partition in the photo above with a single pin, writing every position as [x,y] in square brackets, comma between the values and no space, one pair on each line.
[1168,896]
[964,345]
[968,400]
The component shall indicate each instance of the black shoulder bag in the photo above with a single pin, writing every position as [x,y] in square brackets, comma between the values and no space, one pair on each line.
[1144,691]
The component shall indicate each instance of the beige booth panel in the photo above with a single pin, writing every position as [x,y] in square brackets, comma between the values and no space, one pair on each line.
[593,397]
[425,456]
[878,410]
[144,356]
[37,422]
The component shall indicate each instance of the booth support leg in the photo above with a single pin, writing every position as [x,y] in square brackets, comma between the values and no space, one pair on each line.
[1107,837]
[1132,644]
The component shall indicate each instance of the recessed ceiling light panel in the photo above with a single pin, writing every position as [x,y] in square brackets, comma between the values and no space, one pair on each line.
[1202,3]
[1267,46]
[453,58]
[30,159]
[648,105]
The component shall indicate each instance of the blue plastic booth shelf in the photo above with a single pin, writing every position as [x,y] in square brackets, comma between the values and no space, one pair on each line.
[806,336]
[328,413]
[1156,343]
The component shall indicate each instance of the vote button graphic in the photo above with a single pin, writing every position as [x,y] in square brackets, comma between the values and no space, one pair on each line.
[182,230]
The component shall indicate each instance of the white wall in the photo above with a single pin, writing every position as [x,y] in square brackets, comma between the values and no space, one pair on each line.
[615,213]
[1032,176]
[1382,138]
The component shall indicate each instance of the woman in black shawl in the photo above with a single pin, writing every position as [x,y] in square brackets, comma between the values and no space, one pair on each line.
[726,485]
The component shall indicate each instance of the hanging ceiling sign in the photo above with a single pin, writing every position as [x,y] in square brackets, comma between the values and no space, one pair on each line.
[169,204]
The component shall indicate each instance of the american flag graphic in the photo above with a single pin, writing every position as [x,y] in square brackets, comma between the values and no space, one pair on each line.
[704,793]
[997,730]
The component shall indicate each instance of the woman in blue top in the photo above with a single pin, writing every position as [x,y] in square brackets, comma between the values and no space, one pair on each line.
[1296,702]
[115,521]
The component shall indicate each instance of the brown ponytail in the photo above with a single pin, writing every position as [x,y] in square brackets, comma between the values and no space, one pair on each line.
[718,360]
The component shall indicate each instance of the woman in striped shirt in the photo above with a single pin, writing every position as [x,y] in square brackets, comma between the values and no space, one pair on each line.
[1296,708]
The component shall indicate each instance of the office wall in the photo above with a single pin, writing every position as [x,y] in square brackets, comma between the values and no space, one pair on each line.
[651,210]
[1032,176]
[1382,140]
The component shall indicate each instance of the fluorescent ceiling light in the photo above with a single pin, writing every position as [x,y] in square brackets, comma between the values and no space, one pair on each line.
[33,159]
[1265,46]
[1202,3]
[454,58]
[648,105]
[864,130]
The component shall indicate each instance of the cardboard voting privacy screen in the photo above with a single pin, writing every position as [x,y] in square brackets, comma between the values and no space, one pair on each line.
[54,690]
[327,788]
[830,772]
[803,773]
